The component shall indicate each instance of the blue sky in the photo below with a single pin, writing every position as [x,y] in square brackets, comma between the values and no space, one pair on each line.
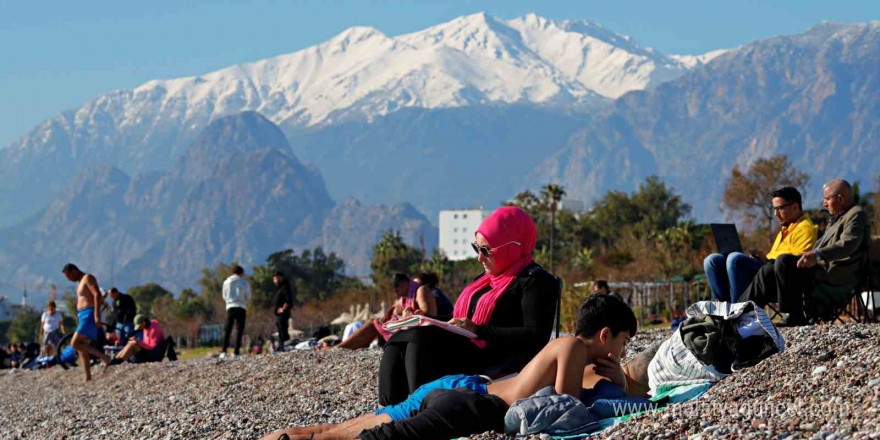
[56,55]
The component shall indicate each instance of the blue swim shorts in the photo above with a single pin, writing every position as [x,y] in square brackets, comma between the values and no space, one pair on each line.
[86,325]
[405,409]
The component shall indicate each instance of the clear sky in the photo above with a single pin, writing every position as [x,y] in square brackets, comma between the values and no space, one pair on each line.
[56,55]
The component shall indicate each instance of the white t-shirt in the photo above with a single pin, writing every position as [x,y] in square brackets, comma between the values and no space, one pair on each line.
[51,322]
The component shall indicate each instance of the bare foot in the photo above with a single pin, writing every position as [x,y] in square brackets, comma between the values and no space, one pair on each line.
[106,361]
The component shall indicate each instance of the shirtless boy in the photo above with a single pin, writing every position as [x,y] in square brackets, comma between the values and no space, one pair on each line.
[88,310]
[604,326]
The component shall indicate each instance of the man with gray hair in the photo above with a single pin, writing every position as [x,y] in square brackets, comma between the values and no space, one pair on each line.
[834,261]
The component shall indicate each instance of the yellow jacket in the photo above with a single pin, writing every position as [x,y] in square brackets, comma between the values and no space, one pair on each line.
[795,239]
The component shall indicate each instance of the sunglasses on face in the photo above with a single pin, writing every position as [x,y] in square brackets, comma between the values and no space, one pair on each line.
[486,251]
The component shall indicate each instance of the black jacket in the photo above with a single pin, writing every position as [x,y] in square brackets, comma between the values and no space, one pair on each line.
[284,295]
[523,317]
[125,308]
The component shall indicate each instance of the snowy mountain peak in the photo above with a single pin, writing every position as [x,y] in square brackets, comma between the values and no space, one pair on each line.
[363,74]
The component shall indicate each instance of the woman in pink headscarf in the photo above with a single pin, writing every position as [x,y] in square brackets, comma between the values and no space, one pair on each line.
[510,308]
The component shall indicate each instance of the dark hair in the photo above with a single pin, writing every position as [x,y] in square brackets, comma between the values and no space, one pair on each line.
[51,303]
[602,284]
[112,290]
[790,194]
[429,279]
[399,278]
[602,310]
[237,270]
[70,267]
[279,274]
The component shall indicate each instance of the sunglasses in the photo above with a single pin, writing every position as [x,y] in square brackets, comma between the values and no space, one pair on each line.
[486,251]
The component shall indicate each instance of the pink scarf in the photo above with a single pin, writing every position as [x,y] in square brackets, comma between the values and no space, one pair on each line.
[502,226]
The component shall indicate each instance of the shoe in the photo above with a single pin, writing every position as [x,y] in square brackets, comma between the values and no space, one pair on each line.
[222,355]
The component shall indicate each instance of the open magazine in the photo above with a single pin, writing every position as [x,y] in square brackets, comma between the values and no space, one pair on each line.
[419,321]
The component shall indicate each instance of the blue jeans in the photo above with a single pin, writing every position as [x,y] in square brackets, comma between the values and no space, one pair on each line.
[728,277]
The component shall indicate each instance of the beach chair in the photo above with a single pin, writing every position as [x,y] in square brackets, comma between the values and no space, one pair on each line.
[829,304]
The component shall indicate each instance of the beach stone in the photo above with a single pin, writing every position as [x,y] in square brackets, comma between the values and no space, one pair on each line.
[874,382]
[819,370]
[827,356]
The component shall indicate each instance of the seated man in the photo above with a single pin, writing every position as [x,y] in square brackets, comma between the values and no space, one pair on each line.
[729,276]
[459,405]
[835,259]
[152,337]
[601,286]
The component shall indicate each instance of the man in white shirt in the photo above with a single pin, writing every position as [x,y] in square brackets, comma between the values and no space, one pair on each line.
[236,293]
[51,328]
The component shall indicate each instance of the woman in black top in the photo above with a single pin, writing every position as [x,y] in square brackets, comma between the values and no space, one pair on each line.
[510,308]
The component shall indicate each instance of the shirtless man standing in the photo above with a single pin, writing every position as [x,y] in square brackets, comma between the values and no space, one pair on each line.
[88,310]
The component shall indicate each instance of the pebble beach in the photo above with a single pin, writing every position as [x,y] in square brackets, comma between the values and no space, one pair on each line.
[826,385]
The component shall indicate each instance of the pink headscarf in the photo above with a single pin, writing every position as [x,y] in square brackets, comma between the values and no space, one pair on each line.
[502,226]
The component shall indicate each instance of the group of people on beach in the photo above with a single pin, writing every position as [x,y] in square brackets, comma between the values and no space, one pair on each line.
[436,383]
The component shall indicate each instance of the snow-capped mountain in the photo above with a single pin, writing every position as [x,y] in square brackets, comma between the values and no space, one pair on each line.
[359,75]
[477,59]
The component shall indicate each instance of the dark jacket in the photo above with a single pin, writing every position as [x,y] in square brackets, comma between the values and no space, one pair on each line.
[523,317]
[843,248]
[284,295]
[124,308]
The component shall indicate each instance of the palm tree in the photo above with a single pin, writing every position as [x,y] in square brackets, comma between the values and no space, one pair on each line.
[552,195]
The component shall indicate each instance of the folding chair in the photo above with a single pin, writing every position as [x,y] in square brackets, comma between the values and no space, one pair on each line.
[842,301]
[559,305]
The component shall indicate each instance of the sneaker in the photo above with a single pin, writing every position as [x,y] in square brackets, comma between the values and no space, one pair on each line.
[222,355]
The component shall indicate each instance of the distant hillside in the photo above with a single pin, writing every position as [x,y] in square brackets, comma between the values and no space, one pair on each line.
[814,96]
[238,194]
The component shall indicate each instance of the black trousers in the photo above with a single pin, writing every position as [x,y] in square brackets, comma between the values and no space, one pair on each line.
[445,414]
[235,315]
[781,282]
[420,355]
[281,324]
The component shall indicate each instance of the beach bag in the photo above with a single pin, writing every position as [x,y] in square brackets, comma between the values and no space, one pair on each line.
[675,365]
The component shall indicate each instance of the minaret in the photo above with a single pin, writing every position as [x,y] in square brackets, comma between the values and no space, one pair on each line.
[24,299]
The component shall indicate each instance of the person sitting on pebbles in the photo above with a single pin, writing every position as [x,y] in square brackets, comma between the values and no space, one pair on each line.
[460,405]
[151,337]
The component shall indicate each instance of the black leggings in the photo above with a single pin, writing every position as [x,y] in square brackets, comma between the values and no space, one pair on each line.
[420,355]
[234,315]
[445,414]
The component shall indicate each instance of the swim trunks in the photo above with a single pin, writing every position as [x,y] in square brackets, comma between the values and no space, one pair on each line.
[86,325]
[405,409]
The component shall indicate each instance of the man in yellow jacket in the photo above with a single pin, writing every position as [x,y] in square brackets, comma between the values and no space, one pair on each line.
[730,275]
[833,264]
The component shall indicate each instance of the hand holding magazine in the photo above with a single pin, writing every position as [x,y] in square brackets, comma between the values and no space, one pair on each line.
[420,321]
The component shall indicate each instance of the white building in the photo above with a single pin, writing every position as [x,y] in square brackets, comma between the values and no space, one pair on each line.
[457,229]
[572,205]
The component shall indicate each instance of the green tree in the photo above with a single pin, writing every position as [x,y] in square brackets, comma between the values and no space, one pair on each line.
[748,193]
[144,296]
[315,274]
[552,195]
[672,247]
[25,326]
[392,255]
[652,207]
